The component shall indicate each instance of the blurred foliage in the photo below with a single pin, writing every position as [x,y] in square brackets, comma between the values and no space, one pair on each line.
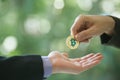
[41,26]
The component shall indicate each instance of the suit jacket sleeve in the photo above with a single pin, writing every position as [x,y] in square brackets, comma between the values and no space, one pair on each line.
[114,39]
[21,68]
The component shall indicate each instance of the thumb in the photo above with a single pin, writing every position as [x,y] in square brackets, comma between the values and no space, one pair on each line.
[85,35]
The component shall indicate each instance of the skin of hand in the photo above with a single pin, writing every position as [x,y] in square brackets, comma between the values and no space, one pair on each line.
[61,63]
[87,26]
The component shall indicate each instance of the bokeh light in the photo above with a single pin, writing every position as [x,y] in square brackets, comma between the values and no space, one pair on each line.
[9,44]
[108,6]
[85,4]
[32,25]
[36,26]
[59,4]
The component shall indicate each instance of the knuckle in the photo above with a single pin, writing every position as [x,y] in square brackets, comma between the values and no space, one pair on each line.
[72,29]
[77,18]
[82,16]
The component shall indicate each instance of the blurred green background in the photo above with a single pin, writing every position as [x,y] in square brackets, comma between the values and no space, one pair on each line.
[41,26]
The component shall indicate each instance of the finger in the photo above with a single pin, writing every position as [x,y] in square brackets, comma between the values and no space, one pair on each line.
[83,61]
[65,54]
[75,60]
[73,30]
[77,25]
[96,58]
[87,56]
[91,59]
[90,65]
[95,55]
[85,34]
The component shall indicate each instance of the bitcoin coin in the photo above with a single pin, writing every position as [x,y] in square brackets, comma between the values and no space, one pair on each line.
[71,42]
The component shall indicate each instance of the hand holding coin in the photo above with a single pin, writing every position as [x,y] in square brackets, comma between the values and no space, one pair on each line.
[71,42]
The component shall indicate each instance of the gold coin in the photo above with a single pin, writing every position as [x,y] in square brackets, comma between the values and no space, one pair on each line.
[71,42]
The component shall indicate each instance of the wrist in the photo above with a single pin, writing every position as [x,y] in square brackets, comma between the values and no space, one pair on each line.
[117,24]
[111,25]
[53,62]
[55,58]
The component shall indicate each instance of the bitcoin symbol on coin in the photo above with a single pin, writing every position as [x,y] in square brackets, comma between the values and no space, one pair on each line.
[71,42]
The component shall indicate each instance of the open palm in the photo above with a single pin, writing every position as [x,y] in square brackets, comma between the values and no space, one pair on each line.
[63,64]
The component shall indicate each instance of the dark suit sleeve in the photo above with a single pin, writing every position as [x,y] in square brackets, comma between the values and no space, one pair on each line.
[21,68]
[113,40]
